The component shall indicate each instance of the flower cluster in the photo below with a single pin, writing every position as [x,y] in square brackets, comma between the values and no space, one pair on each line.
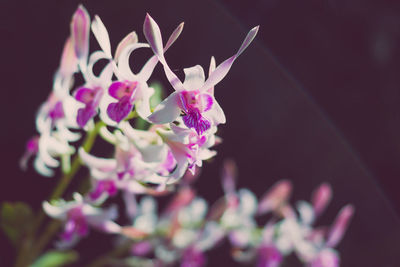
[182,127]
[188,227]
[158,146]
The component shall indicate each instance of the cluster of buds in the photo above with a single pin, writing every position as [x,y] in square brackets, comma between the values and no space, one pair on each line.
[179,134]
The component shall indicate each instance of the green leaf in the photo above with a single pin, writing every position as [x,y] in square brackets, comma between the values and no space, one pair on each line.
[55,258]
[16,220]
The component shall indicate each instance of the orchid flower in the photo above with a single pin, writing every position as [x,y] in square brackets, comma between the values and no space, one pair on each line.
[195,96]
[130,89]
[78,215]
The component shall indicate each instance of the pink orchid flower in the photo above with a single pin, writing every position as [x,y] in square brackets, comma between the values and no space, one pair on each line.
[195,96]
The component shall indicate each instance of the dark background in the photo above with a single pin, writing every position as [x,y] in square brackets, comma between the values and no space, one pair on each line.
[315,98]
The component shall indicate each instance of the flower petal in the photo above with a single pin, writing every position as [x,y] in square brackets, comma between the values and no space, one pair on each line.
[80,34]
[220,72]
[167,111]
[340,225]
[275,197]
[321,198]
[69,62]
[148,68]
[84,95]
[124,71]
[95,162]
[131,38]
[153,36]
[101,34]
[194,77]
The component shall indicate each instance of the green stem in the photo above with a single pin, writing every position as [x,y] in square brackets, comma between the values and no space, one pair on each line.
[53,226]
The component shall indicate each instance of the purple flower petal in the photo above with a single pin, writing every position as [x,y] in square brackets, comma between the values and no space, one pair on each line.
[193,119]
[84,95]
[85,114]
[57,111]
[119,110]
[118,90]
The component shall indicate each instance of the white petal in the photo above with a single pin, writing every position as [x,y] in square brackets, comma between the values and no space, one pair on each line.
[167,111]
[53,211]
[194,78]
[101,34]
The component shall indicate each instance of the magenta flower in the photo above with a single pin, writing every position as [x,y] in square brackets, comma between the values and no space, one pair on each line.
[195,96]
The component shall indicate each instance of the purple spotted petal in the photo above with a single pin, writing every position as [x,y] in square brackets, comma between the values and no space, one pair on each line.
[118,90]
[85,114]
[193,119]
[119,110]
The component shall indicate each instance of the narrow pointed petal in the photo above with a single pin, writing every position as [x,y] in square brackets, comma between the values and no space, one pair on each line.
[153,35]
[69,61]
[101,34]
[174,36]
[210,70]
[167,111]
[340,225]
[220,72]
[80,33]
[275,197]
[131,38]
[148,68]
[229,176]
[321,198]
